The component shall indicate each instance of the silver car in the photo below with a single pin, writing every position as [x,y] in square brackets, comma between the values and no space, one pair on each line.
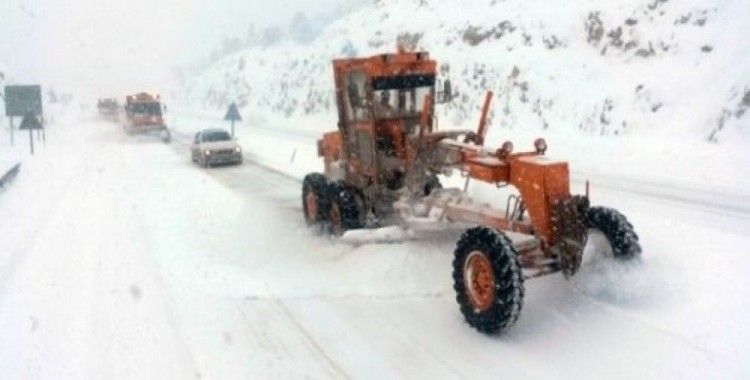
[215,146]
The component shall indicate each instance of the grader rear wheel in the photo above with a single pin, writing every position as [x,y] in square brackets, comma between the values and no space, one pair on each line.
[311,204]
[345,211]
[314,199]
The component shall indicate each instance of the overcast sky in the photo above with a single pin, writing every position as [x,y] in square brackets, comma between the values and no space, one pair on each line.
[129,44]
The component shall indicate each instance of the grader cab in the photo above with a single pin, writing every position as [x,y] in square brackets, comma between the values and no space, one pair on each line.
[381,167]
[383,102]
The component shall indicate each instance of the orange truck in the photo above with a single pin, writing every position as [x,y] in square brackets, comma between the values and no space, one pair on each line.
[144,115]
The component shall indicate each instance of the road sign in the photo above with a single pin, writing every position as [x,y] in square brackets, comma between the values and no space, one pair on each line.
[30,122]
[233,114]
[20,100]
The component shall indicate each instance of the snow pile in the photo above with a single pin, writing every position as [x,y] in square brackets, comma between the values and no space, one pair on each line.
[9,155]
[600,68]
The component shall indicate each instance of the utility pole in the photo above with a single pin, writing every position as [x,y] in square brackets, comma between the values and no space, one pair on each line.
[11,130]
[31,140]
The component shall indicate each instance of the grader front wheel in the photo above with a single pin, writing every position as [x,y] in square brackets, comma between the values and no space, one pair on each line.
[617,229]
[488,280]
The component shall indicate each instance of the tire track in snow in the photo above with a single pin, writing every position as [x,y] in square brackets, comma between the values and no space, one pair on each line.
[279,342]
[661,330]
[64,185]
[339,371]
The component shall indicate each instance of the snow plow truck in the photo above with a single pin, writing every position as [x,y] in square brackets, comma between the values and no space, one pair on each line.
[108,109]
[144,115]
[381,168]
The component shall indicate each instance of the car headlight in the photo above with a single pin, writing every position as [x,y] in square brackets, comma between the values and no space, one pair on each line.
[238,150]
[208,152]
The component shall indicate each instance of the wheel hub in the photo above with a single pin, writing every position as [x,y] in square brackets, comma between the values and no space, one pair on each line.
[479,280]
[336,218]
[311,205]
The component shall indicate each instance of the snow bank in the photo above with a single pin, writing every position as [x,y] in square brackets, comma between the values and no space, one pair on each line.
[9,155]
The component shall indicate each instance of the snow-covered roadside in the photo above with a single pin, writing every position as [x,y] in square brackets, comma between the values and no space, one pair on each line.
[11,154]
[16,148]
[79,296]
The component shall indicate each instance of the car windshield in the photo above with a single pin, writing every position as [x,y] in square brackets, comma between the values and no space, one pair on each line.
[402,95]
[147,108]
[215,136]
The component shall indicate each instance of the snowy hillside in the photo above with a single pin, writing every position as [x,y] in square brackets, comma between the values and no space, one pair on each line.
[600,68]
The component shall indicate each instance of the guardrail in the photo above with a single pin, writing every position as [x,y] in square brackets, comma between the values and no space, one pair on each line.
[9,176]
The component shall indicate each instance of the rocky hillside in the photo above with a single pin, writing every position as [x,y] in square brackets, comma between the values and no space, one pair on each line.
[682,67]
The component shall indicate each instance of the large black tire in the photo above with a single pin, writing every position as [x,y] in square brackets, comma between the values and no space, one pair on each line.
[345,212]
[618,231]
[432,184]
[315,201]
[504,297]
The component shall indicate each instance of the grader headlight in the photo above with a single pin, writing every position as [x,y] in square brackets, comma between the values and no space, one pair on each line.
[505,150]
[540,145]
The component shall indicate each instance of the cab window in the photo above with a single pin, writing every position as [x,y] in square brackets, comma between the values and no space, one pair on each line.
[364,143]
[356,96]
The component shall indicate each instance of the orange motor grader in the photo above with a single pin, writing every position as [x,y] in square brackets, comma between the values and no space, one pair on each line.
[381,168]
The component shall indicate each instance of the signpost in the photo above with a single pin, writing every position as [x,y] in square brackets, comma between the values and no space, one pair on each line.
[233,114]
[30,122]
[12,142]
[20,101]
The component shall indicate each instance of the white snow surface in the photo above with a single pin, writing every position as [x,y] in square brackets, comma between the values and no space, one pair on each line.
[672,68]
[121,259]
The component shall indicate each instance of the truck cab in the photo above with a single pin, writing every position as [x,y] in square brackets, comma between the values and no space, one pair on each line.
[143,114]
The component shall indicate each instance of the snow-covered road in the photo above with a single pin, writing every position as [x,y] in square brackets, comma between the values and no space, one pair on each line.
[120,259]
